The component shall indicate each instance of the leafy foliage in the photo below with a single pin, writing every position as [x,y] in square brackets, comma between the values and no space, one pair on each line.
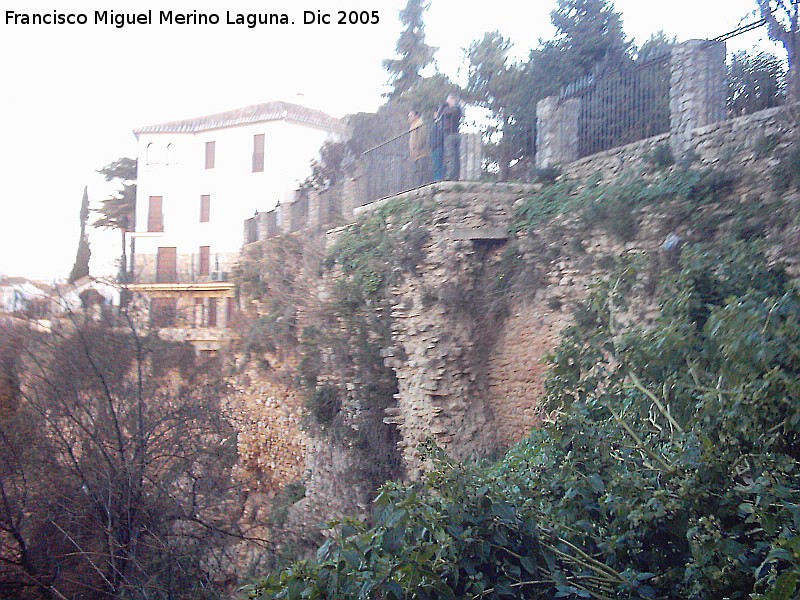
[117,211]
[614,205]
[755,82]
[670,472]
[414,54]
[783,25]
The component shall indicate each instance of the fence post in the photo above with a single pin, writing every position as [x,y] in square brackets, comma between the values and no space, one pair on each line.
[314,216]
[471,157]
[556,131]
[697,90]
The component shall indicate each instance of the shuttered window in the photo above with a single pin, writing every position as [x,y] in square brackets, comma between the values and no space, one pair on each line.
[258,153]
[205,208]
[167,265]
[205,260]
[229,310]
[155,216]
[211,151]
[212,312]
[199,312]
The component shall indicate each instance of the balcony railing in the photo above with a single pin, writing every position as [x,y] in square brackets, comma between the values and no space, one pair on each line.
[390,170]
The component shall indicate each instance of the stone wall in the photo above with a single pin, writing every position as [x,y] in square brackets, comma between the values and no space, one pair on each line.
[471,382]
[736,140]
[470,366]
[441,339]
[696,99]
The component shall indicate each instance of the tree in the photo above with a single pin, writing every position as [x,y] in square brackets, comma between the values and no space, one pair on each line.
[118,211]
[492,81]
[81,266]
[783,25]
[414,54]
[755,82]
[588,32]
[115,473]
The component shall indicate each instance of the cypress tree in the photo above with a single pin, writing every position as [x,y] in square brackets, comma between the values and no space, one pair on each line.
[81,266]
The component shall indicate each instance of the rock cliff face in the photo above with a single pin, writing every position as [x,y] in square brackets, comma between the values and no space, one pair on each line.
[431,316]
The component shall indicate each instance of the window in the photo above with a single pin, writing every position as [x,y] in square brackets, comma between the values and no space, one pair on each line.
[167,265]
[150,153]
[212,312]
[211,152]
[205,208]
[199,312]
[155,216]
[229,311]
[168,157]
[258,153]
[205,260]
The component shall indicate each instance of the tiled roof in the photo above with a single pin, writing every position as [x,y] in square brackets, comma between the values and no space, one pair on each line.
[258,113]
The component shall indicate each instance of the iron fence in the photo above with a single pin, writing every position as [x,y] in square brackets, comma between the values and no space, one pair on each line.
[621,105]
[390,170]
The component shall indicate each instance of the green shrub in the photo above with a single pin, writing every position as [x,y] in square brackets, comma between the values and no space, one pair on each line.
[323,404]
[670,472]
[661,157]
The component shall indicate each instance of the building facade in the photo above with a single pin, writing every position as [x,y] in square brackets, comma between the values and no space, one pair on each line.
[198,179]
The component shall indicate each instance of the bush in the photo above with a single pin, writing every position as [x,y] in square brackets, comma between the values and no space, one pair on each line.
[324,404]
[670,472]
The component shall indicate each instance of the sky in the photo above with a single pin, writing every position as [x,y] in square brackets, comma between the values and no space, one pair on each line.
[72,94]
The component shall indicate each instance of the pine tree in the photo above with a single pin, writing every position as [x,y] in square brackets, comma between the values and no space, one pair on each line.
[783,23]
[81,266]
[492,84]
[118,211]
[589,32]
[414,54]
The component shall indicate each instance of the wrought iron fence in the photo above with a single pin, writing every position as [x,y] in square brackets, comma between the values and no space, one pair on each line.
[621,105]
[390,170]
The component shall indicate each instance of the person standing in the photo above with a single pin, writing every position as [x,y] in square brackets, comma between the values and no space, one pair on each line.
[451,118]
[418,149]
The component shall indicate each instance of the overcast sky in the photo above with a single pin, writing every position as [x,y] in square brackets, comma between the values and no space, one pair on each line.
[72,94]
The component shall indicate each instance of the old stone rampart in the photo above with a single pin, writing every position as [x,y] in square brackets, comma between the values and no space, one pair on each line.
[471,324]
[469,379]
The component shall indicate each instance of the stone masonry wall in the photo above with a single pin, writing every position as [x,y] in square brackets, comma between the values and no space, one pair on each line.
[472,385]
[469,376]
[440,344]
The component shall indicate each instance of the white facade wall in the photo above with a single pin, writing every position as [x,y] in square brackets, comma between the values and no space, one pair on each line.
[172,165]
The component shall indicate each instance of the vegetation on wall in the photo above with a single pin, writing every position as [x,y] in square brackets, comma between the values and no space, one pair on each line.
[366,259]
[669,466]
[670,472]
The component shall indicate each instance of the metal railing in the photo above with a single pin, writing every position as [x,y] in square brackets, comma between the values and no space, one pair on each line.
[389,169]
[621,105]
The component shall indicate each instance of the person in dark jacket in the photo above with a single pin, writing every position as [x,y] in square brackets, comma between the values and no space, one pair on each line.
[451,118]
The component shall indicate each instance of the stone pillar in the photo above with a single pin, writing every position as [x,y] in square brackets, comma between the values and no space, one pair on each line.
[354,191]
[697,90]
[556,131]
[251,230]
[471,156]
[314,217]
[271,224]
[284,219]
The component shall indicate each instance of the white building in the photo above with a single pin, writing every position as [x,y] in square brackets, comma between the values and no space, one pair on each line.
[198,180]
